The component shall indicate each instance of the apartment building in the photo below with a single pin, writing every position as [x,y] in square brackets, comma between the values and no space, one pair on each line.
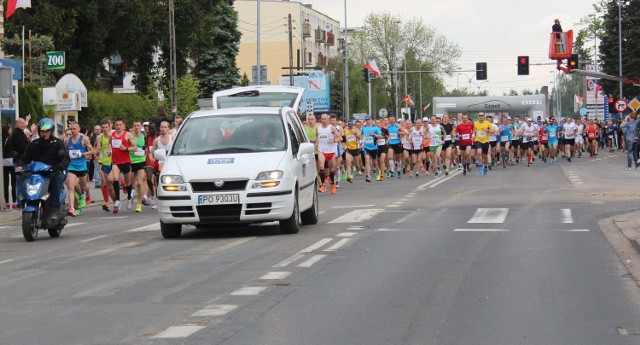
[315,37]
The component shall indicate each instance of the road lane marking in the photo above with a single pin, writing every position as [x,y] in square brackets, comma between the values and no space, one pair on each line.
[311,261]
[316,245]
[115,248]
[388,230]
[577,230]
[353,206]
[73,224]
[357,216]
[288,261]
[566,216]
[489,216]
[403,219]
[275,275]
[394,205]
[338,245]
[347,234]
[215,310]
[94,238]
[150,227]
[249,291]
[7,261]
[481,230]
[452,175]
[178,331]
[119,217]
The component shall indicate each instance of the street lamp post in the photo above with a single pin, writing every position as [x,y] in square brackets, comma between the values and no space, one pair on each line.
[346,65]
[258,69]
[395,70]
[620,44]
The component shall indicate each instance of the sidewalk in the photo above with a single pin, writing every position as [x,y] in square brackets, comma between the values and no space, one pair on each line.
[9,216]
[629,225]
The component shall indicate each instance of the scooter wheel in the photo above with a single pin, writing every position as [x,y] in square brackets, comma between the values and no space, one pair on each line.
[55,232]
[29,229]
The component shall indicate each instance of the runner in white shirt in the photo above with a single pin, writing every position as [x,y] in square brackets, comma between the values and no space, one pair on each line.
[327,136]
[579,137]
[570,130]
[528,132]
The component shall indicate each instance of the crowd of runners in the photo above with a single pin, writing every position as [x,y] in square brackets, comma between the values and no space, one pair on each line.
[396,148]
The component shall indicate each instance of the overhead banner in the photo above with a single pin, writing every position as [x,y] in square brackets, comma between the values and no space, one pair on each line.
[316,86]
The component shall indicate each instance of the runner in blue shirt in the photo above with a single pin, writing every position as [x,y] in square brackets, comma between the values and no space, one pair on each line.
[552,143]
[370,134]
[505,141]
[394,153]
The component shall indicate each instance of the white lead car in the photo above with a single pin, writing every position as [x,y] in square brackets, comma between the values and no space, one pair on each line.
[246,161]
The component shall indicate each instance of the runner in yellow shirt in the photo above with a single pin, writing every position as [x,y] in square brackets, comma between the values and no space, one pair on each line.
[481,131]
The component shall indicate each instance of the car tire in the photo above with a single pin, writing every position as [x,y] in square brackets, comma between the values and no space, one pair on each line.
[170,230]
[310,216]
[291,225]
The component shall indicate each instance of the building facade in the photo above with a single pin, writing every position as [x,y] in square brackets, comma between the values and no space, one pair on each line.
[314,36]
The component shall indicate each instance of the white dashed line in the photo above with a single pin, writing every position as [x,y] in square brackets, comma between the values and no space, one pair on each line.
[577,230]
[311,261]
[7,261]
[316,245]
[150,227]
[347,234]
[178,331]
[94,238]
[249,291]
[73,224]
[489,216]
[289,260]
[275,275]
[481,230]
[338,245]
[357,216]
[215,310]
[566,216]
[388,230]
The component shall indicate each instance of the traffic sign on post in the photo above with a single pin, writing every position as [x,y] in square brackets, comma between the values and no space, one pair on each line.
[383,112]
[634,104]
[621,105]
[55,60]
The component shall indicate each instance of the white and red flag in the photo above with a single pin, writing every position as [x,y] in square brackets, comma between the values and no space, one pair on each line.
[426,107]
[372,66]
[407,99]
[13,5]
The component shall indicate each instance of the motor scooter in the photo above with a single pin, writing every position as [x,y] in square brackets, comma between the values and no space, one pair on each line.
[37,212]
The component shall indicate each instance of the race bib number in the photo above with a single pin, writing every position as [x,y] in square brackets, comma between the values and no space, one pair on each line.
[381,142]
[116,143]
[75,154]
[447,137]
[417,142]
[552,134]
[368,140]
[610,136]
[545,137]
[393,136]
[481,134]
[351,138]
[466,137]
[139,153]
[504,138]
[592,135]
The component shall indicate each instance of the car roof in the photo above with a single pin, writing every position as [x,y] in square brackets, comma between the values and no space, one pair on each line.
[237,111]
[260,89]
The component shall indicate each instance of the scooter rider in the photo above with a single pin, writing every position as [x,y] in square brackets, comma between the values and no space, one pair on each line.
[49,150]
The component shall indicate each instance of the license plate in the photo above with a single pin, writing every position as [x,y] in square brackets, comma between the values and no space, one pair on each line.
[218,199]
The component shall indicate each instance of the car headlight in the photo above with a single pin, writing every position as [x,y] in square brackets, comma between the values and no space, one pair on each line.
[32,189]
[171,179]
[270,175]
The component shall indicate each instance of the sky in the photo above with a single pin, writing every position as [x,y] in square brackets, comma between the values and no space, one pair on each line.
[491,31]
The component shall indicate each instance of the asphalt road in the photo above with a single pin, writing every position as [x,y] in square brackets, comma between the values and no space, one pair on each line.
[515,257]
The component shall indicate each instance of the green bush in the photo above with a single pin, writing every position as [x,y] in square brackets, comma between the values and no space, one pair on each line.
[128,106]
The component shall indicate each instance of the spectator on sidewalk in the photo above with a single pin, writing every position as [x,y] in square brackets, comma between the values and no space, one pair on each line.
[631,140]
[8,171]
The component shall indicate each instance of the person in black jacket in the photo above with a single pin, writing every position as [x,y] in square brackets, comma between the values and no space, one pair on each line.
[556,27]
[49,150]
[8,170]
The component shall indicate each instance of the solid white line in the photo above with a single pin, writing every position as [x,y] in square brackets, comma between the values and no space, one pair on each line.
[481,230]
[489,216]
[403,219]
[388,230]
[73,224]
[322,212]
[316,245]
[347,234]
[249,291]
[566,216]
[215,310]
[577,230]
[7,261]
[311,261]
[178,331]
[353,206]
[288,261]
[357,216]
[94,238]
[120,217]
[338,245]
[4,227]
[394,205]
[452,175]
[275,275]
[150,227]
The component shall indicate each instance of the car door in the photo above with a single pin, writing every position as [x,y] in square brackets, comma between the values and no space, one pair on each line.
[305,170]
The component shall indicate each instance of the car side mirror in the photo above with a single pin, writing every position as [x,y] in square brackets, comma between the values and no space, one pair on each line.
[160,154]
[306,148]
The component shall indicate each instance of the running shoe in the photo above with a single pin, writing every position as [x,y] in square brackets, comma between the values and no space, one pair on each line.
[485,171]
[368,179]
[350,179]
[322,189]
[332,188]
[401,174]
[82,202]
[437,173]
[89,201]
[72,212]
[446,172]
[79,211]
[480,170]
[418,175]
[154,206]
[344,175]
[105,207]
[337,184]
[464,172]
[139,208]
[116,207]
[459,166]
[129,204]
[426,173]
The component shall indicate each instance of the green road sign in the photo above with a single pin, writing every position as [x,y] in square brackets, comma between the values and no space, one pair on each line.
[55,60]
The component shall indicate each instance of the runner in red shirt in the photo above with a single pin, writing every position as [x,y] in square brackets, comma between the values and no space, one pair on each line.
[122,143]
[542,143]
[465,142]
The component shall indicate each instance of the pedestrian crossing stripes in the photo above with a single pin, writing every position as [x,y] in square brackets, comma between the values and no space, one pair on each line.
[489,216]
[536,218]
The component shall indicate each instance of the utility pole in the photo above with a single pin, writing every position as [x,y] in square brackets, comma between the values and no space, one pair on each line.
[620,45]
[172,58]
[290,50]
[346,65]
[258,69]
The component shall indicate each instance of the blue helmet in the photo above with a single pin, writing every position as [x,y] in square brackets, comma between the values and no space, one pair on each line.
[46,125]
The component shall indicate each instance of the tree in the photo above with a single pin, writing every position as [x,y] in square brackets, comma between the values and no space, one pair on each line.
[40,44]
[244,81]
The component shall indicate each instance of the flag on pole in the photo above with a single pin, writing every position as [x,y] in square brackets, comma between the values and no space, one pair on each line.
[407,99]
[13,5]
[373,67]
[426,107]
[598,88]
[579,100]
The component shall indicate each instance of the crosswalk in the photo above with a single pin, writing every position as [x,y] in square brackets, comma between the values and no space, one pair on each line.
[495,219]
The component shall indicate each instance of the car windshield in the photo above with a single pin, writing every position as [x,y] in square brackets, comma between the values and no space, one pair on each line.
[230,134]
[255,98]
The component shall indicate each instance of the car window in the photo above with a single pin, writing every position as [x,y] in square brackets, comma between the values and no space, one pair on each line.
[230,134]
[257,99]
[297,126]
[294,137]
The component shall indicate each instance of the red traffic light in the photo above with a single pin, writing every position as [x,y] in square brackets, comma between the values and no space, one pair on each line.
[523,60]
[611,100]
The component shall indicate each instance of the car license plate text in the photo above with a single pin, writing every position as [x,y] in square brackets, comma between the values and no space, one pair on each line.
[218,199]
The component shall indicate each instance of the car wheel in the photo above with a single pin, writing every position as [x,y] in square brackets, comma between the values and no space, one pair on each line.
[292,224]
[310,216]
[170,230]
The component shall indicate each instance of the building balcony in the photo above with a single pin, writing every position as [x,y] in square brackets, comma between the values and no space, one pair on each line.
[331,39]
[306,30]
[321,36]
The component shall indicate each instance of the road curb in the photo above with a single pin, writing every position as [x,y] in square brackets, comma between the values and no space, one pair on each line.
[628,249]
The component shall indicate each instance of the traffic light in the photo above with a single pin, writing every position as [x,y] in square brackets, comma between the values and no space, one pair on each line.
[481,71]
[612,105]
[573,62]
[365,73]
[523,65]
